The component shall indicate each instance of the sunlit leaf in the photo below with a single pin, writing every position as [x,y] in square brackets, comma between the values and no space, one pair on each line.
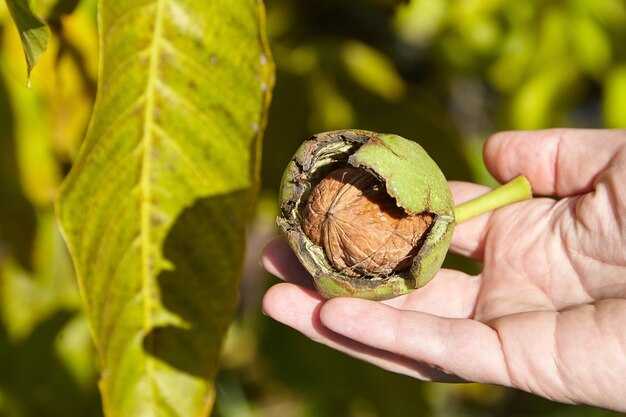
[612,13]
[23,303]
[591,46]
[417,21]
[76,72]
[537,104]
[30,297]
[155,207]
[615,98]
[75,350]
[553,36]
[62,7]
[52,115]
[332,109]
[515,57]
[38,171]
[33,32]
[373,71]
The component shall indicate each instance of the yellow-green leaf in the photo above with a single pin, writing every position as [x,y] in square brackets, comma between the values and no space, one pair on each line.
[591,46]
[155,206]
[33,32]
[373,70]
[538,102]
[614,100]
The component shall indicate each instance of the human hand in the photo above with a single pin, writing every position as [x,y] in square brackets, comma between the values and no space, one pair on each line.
[546,315]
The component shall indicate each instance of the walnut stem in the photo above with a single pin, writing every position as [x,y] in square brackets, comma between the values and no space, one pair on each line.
[513,191]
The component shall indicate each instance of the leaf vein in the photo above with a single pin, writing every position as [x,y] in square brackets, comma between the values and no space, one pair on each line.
[105,332]
[127,14]
[186,157]
[113,170]
[113,74]
[147,260]
[119,119]
[199,115]
[198,68]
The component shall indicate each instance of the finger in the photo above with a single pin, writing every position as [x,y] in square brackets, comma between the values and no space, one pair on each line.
[466,348]
[561,162]
[469,237]
[450,294]
[299,309]
[279,260]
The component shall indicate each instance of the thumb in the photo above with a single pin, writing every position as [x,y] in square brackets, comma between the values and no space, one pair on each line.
[562,162]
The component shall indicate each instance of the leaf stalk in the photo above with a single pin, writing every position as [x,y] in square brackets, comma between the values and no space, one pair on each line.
[513,191]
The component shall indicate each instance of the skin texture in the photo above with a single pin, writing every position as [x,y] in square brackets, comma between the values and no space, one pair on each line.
[546,315]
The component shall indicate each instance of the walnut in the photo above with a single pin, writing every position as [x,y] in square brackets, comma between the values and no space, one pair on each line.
[377,231]
[361,228]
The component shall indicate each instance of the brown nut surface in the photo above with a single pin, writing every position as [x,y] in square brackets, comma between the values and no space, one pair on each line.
[360,227]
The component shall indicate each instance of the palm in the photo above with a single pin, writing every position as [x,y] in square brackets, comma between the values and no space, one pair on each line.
[545,255]
[539,290]
[545,315]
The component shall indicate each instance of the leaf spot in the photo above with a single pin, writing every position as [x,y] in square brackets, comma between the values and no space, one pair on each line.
[184,22]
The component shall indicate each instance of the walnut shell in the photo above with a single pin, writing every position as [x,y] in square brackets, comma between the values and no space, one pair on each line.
[361,228]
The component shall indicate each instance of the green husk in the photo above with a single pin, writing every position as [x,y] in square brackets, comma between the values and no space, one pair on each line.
[410,176]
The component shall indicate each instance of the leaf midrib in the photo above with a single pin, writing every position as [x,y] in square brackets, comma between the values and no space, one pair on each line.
[146,193]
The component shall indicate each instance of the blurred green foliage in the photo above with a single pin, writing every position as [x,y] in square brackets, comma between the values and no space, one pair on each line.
[446,73]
